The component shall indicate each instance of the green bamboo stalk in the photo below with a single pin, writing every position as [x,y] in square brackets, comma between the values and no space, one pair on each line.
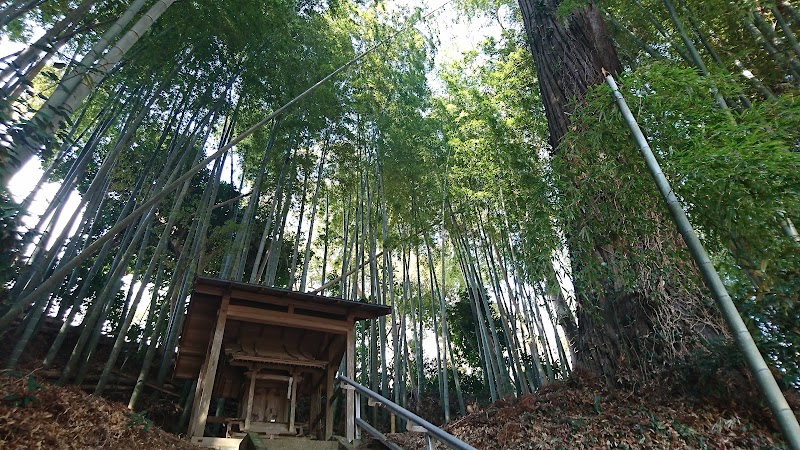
[117,348]
[275,247]
[787,31]
[242,235]
[149,355]
[52,113]
[16,10]
[47,285]
[45,43]
[640,43]
[298,232]
[696,59]
[766,382]
[767,32]
[307,258]
[490,370]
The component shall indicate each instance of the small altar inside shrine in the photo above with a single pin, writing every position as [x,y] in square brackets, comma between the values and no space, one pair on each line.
[266,351]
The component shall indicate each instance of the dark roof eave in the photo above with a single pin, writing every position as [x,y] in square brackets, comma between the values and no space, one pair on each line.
[368,310]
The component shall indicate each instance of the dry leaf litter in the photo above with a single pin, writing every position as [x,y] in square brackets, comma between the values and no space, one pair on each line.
[582,413]
[36,415]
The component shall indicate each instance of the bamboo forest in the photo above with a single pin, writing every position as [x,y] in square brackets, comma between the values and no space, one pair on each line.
[568,223]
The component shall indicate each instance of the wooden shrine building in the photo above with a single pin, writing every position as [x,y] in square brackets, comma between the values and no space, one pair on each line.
[267,352]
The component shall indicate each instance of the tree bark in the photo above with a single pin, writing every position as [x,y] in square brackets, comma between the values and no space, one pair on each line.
[640,308]
[569,56]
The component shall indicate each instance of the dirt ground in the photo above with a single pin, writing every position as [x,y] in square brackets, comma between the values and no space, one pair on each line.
[717,409]
[583,413]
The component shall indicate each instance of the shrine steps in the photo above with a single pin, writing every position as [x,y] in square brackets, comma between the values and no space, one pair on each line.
[254,441]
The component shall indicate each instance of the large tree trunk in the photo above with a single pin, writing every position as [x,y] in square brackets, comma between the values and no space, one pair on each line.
[640,306]
[569,55]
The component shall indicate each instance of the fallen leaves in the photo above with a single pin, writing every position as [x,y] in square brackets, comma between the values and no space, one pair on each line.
[34,415]
[583,413]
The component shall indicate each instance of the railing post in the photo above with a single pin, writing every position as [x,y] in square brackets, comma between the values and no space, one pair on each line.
[350,369]
[431,430]
[358,414]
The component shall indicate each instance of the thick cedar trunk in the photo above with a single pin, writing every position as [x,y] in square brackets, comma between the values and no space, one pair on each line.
[570,54]
[642,312]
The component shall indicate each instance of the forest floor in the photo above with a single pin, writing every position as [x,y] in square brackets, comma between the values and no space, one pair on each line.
[583,413]
[711,407]
[580,413]
[36,415]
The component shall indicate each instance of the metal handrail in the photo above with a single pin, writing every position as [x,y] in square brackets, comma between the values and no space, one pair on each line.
[377,434]
[432,430]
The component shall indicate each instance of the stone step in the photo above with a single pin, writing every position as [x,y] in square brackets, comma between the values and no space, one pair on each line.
[254,441]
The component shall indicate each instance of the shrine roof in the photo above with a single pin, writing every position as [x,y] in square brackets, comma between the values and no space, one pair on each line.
[271,295]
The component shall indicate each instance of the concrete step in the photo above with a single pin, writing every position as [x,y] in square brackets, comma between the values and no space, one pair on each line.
[298,443]
[253,441]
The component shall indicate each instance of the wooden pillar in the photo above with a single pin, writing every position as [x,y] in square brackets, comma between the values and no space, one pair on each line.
[350,369]
[293,403]
[248,412]
[205,384]
[198,389]
[316,401]
[329,391]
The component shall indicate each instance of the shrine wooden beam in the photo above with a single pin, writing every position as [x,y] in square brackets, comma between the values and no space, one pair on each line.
[205,384]
[256,315]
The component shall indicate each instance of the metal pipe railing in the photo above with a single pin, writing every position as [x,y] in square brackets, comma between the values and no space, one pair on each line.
[377,434]
[431,429]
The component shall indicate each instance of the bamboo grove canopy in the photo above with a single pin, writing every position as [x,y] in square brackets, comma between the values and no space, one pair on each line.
[495,201]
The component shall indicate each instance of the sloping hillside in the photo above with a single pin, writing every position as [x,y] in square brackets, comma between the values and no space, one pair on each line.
[40,415]
[720,413]
[583,413]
